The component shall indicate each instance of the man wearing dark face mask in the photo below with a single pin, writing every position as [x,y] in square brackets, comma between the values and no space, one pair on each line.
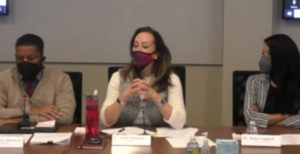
[48,93]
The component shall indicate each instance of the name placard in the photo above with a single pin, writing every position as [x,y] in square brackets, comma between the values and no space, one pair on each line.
[11,141]
[261,140]
[131,140]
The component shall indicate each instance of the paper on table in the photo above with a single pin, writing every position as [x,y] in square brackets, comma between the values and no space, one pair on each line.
[170,132]
[26,137]
[127,131]
[51,138]
[290,139]
[48,123]
[181,142]
[236,136]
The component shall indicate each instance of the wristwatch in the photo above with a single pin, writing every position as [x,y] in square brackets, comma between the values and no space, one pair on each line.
[121,103]
[162,102]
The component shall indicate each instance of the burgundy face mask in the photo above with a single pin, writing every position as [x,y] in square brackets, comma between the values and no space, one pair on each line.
[141,59]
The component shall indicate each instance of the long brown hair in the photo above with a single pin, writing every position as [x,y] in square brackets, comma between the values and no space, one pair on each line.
[161,67]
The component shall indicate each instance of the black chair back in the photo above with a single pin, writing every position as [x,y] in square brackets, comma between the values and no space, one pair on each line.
[179,70]
[239,89]
[76,78]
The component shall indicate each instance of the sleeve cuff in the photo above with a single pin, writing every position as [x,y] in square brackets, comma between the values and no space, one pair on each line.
[36,118]
[293,121]
[264,121]
[176,120]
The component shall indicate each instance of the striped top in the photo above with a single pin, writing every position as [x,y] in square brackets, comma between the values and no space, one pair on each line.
[257,88]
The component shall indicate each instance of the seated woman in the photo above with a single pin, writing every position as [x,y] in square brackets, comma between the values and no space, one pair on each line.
[146,83]
[273,97]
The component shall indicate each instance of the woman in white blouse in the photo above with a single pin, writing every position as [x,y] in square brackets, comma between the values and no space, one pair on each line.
[146,84]
[273,97]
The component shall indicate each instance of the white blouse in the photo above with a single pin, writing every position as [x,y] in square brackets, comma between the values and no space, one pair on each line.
[175,99]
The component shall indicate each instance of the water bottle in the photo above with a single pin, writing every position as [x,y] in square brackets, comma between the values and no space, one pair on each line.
[92,118]
[205,149]
[192,147]
[252,129]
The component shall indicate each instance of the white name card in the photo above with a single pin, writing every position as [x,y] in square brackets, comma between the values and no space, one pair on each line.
[261,140]
[11,141]
[136,140]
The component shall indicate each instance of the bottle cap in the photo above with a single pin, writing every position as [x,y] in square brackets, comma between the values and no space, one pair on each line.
[252,122]
[95,93]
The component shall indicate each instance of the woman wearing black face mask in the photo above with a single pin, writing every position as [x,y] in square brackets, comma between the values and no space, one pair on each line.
[147,82]
[273,97]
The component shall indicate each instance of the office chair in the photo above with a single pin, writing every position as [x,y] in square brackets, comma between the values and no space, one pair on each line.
[76,78]
[239,89]
[179,70]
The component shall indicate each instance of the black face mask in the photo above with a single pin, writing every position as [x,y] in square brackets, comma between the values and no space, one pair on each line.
[29,70]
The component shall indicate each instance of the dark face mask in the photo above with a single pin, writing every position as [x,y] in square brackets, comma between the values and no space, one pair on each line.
[141,59]
[29,70]
[265,64]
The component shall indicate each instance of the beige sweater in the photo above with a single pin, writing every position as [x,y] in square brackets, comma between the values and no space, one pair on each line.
[53,88]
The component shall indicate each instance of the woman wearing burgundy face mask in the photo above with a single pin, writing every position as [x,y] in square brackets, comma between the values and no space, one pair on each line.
[273,97]
[146,83]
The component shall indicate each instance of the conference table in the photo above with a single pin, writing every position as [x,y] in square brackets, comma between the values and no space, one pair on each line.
[159,145]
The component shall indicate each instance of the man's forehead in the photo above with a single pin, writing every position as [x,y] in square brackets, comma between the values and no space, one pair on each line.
[27,49]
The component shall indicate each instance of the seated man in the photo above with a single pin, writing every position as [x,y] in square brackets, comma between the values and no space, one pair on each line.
[48,93]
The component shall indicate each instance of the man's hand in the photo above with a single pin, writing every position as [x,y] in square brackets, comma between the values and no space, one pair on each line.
[51,112]
[9,121]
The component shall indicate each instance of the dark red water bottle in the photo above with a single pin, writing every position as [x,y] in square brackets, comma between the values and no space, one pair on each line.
[92,118]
